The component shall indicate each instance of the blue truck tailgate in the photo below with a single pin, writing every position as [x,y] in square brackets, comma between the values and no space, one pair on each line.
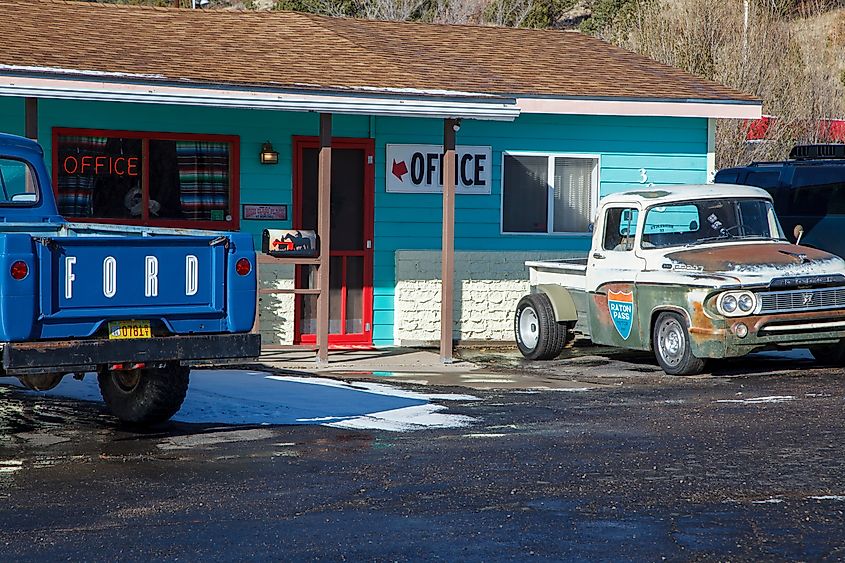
[182,282]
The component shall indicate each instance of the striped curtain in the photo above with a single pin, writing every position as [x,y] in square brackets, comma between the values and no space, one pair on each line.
[573,194]
[76,191]
[203,179]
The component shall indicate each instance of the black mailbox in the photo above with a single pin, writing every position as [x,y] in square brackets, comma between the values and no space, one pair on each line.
[290,243]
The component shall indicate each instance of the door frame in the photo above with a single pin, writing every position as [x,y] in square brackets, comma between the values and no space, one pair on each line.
[300,142]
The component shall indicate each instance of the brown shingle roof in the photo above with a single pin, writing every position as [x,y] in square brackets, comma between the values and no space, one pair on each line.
[289,49]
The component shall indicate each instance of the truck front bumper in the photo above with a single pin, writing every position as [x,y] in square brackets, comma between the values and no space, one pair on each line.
[21,358]
[795,330]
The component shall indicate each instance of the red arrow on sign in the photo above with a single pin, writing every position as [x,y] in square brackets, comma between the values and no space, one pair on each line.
[399,169]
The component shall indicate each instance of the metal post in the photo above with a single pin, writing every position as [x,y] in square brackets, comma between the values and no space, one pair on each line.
[324,189]
[447,276]
[31,118]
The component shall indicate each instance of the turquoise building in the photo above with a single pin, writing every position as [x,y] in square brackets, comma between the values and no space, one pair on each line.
[207,119]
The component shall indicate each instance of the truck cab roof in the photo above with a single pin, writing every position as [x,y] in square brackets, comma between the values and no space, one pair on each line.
[670,194]
[15,141]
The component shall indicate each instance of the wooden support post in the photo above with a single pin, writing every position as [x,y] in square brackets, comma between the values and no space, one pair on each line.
[447,276]
[31,118]
[324,190]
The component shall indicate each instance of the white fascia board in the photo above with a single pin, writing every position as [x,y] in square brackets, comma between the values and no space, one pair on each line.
[495,108]
[649,108]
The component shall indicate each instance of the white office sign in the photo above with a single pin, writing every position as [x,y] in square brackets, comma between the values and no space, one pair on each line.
[416,169]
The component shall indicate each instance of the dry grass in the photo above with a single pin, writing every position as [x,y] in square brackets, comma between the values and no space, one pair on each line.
[793,65]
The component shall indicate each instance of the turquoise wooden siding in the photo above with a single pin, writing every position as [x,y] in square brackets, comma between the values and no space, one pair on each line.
[12,115]
[670,150]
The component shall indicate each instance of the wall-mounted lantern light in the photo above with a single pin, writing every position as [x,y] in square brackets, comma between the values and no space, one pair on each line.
[268,155]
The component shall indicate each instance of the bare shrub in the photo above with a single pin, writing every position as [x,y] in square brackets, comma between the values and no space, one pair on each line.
[709,39]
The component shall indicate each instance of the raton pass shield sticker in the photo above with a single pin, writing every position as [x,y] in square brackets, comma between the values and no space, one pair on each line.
[621,307]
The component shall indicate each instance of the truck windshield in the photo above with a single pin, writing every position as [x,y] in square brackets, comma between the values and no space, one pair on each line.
[696,222]
[17,183]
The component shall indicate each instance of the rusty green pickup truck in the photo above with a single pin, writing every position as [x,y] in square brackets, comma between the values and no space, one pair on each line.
[690,273]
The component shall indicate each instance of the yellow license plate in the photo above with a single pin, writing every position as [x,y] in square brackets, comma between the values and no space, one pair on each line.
[129,329]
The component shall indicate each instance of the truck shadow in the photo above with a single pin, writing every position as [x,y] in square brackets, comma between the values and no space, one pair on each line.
[761,363]
[602,361]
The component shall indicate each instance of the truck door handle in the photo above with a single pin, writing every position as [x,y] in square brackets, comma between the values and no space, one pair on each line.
[598,256]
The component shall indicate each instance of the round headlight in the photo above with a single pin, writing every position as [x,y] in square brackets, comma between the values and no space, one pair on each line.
[729,303]
[745,302]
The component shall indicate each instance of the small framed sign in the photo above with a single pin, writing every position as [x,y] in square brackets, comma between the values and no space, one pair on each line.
[265,212]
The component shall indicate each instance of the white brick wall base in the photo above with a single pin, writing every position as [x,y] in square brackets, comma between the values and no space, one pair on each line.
[488,286]
[276,310]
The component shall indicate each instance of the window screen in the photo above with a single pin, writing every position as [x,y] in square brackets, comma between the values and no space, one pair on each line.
[534,204]
[573,187]
[526,188]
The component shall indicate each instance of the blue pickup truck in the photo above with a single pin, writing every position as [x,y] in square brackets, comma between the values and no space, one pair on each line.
[136,305]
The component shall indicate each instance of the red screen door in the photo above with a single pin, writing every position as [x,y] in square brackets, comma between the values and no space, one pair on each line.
[351,256]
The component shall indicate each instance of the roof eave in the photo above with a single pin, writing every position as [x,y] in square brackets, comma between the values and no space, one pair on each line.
[126,88]
[708,108]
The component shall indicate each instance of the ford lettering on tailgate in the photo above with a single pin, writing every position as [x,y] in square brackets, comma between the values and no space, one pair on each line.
[165,272]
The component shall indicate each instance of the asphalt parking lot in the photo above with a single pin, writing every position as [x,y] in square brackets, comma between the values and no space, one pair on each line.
[593,456]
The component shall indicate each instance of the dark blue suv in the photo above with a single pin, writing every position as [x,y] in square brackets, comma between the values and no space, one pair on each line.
[808,190]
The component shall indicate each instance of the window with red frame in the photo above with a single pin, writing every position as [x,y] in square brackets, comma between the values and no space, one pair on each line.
[146,178]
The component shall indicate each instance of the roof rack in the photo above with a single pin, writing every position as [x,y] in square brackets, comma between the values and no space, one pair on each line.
[803,152]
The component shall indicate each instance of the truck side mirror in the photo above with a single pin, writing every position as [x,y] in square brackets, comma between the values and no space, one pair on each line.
[798,232]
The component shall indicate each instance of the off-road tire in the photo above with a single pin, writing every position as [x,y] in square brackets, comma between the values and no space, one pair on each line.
[538,335]
[671,342]
[157,394]
[829,354]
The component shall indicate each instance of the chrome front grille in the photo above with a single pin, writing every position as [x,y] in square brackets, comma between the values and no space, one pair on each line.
[802,300]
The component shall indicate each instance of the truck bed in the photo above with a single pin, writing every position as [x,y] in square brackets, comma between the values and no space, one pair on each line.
[569,273]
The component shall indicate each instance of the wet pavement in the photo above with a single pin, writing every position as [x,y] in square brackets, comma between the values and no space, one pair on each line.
[598,456]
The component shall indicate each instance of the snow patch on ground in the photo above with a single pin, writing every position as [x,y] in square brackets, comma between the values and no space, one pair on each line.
[768,501]
[829,497]
[759,400]
[257,398]
[10,466]
[370,387]
[405,419]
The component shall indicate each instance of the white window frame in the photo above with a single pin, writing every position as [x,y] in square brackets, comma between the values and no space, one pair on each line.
[550,217]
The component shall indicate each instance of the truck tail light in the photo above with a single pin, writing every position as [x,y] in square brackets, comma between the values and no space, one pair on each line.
[19,270]
[243,267]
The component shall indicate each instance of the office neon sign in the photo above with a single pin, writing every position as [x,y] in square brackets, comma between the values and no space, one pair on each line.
[99,165]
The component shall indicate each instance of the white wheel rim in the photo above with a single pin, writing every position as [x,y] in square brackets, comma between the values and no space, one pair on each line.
[671,341]
[529,328]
